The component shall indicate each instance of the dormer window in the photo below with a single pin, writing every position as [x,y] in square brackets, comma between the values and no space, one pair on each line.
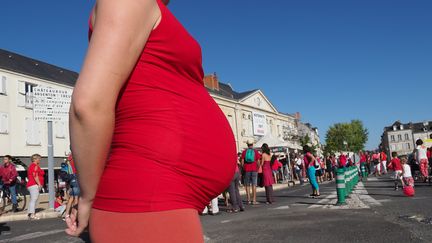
[401,127]
[394,128]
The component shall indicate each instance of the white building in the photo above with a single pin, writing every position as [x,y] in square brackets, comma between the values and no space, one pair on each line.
[20,135]
[401,137]
[252,116]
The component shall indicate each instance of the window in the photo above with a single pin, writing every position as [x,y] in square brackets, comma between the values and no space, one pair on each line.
[392,138]
[393,147]
[400,137]
[3,85]
[33,132]
[25,94]
[406,136]
[4,123]
[408,145]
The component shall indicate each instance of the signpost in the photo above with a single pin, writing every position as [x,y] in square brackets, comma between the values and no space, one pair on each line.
[51,105]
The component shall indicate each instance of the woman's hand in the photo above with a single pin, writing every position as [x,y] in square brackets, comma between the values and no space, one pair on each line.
[78,220]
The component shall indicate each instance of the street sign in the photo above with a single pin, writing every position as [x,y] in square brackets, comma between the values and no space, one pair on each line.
[51,104]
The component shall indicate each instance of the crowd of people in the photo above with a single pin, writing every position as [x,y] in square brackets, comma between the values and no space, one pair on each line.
[66,196]
[258,167]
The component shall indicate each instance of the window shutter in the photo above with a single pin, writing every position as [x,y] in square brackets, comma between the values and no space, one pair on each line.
[3,85]
[33,136]
[21,87]
[21,100]
[60,129]
[4,123]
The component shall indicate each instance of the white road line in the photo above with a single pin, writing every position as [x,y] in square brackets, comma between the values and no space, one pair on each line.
[280,208]
[372,179]
[358,199]
[33,235]
[225,221]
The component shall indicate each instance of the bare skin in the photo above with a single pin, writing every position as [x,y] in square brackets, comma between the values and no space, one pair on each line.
[120,32]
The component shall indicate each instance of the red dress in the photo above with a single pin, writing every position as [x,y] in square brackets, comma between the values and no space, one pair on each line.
[268,178]
[172,147]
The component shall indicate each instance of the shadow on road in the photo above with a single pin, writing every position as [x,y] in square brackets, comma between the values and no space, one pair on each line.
[4,227]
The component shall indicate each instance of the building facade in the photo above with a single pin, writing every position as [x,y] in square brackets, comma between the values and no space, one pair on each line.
[401,137]
[20,135]
[252,116]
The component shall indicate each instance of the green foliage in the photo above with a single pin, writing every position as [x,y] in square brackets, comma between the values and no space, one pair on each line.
[353,133]
[307,141]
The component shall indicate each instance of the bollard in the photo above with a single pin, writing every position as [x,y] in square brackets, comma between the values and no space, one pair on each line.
[340,186]
[363,170]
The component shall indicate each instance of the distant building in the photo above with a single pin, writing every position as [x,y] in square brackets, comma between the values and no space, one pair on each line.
[307,129]
[252,116]
[20,135]
[401,137]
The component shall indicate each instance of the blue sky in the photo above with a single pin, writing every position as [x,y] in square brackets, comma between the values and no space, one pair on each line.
[332,60]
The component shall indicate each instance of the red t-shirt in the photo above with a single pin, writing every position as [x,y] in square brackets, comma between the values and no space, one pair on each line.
[363,158]
[56,203]
[342,160]
[39,173]
[395,162]
[429,154]
[276,165]
[251,167]
[383,156]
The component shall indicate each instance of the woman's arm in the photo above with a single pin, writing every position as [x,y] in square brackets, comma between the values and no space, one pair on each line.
[120,32]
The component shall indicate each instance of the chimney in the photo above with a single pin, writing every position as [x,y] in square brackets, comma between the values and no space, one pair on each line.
[211,81]
[297,115]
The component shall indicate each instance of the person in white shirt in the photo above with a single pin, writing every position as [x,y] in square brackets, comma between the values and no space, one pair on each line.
[422,159]
[406,172]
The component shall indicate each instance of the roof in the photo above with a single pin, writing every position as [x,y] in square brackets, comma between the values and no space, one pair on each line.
[415,127]
[226,91]
[35,68]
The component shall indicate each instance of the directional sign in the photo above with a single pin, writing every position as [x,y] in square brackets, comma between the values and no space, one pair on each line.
[51,104]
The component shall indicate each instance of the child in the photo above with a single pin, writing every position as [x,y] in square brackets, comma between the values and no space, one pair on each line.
[58,204]
[396,166]
[408,181]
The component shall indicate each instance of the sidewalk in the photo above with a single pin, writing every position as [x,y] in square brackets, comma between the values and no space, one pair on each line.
[42,211]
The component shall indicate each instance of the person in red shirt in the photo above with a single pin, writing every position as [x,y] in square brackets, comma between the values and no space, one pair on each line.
[35,183]
[383,159]
[342,160]
[249,160]
[396,166]
[8,176]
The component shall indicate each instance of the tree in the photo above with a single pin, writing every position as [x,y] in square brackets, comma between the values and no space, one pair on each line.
[307,141]
[346,137]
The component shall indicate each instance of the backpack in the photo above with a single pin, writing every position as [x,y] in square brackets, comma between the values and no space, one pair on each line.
[250,156]
[66,173]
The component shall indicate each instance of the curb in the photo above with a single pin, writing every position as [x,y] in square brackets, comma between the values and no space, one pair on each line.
[45,214]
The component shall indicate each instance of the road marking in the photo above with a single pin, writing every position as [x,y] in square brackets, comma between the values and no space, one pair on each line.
[225,221]
[280,208]
[359,199]
[33,235]
[372,179]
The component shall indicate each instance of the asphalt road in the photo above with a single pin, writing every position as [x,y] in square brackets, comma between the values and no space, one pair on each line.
[377,213]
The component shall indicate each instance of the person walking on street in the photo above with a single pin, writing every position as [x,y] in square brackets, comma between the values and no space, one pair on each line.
[309,161]
[421,156]
[396,166]
[383,159]
[298,169]
[250,158]
[234,193]
[35,183]
[267,161]
[377,163]
[9,176]
[342,160]
[74,189]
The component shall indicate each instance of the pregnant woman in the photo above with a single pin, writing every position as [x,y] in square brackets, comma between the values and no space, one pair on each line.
[151,146]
